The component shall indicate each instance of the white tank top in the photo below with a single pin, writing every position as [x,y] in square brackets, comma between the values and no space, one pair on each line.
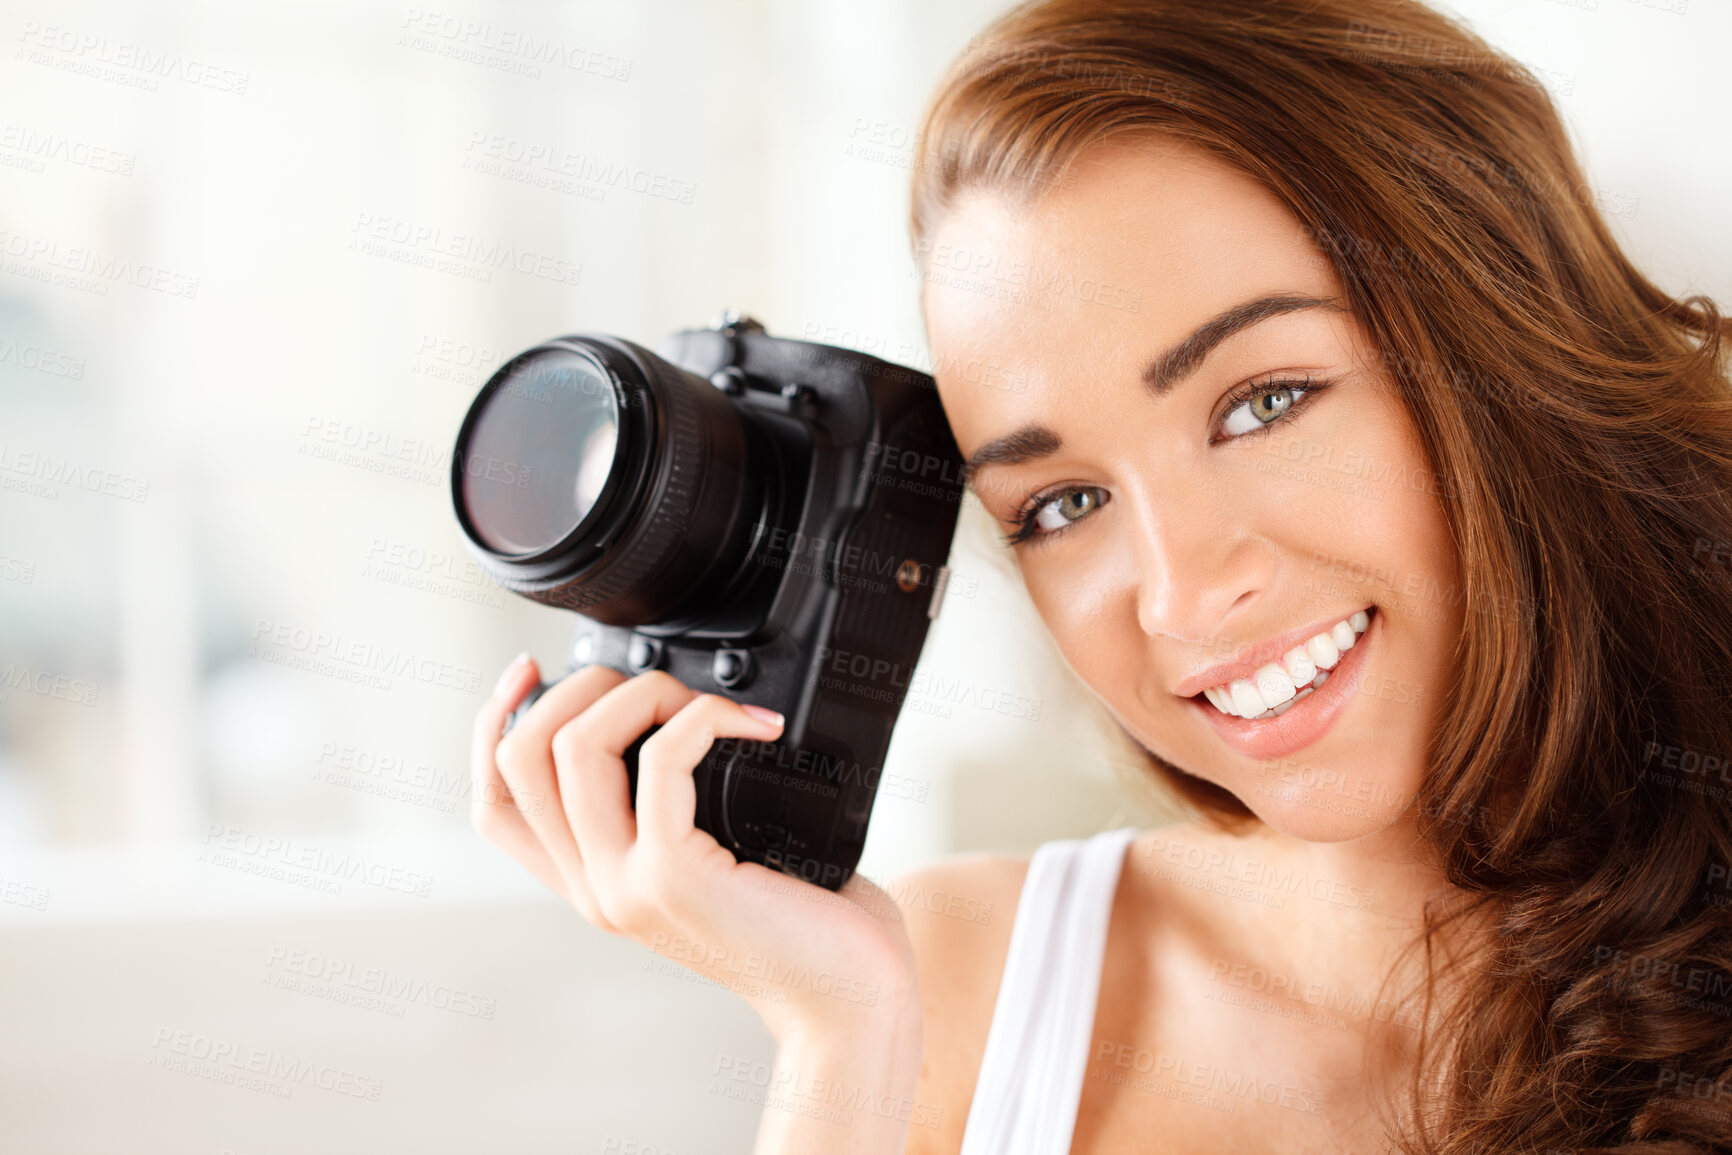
[1031,1073]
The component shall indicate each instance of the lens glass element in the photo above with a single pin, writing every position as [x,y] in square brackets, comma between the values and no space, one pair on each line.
[540,451]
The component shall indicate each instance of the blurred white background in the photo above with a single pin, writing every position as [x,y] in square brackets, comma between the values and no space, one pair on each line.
[234,349]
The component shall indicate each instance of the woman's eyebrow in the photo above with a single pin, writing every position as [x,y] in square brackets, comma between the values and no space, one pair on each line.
[1162,375]
[1027,443]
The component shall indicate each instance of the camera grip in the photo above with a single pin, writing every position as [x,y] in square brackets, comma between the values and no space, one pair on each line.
[631,752]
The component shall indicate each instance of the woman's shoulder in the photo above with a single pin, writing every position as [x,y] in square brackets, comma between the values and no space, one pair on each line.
[959,912]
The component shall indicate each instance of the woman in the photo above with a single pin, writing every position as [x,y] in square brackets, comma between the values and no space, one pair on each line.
[1385,505]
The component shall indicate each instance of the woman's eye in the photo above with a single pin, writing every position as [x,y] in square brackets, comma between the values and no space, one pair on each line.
[1265,405]
[1057,513]
[1063,510]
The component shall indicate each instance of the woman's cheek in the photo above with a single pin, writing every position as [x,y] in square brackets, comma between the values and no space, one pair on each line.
[1088,602]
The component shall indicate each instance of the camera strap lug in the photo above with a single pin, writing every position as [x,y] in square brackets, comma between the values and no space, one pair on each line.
[938,583]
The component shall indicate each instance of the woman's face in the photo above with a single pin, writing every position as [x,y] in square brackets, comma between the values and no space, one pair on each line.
[1162,395]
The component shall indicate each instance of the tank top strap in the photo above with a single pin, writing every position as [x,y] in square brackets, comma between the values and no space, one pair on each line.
[1031,1073]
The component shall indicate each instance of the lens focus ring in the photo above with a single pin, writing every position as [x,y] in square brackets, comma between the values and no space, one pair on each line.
[644,551]
[676,509]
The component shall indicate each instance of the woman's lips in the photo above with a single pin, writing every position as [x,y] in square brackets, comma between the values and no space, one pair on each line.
[1305,721]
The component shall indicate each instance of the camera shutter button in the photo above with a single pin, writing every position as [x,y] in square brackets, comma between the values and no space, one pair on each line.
[643,654]
[731,668]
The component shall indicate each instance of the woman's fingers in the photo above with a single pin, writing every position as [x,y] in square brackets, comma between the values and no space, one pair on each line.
[526,762]
[589,754]
[625,852]
[666,790]
[494,811]
[563,764]
[649,874]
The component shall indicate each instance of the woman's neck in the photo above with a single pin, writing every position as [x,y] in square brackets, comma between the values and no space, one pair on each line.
[1369,899]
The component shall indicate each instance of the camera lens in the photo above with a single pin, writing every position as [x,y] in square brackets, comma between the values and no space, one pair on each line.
[540,450]
[592,475]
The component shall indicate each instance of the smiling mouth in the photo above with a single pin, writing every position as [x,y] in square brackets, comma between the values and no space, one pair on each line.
[1276,687]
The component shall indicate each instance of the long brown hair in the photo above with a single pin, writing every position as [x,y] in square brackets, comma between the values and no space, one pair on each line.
[1578,787]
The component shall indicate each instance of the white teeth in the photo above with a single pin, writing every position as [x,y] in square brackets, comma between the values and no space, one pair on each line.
[1273,685]
[1299,665]
[1276,686]
[1323,651]
[1247,703]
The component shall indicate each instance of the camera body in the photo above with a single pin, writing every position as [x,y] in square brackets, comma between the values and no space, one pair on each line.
[786,546]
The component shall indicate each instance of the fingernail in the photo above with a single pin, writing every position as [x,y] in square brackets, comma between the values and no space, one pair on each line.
[508,678]
[762,715]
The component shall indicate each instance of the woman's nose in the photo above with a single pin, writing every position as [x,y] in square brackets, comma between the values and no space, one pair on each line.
[1199,563]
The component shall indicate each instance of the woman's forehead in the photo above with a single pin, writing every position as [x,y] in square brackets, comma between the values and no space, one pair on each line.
[1126,257]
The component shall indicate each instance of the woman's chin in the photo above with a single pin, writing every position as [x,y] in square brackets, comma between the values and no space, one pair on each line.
[1314,815]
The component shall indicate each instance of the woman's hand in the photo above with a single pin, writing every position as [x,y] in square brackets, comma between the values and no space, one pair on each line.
[816,965]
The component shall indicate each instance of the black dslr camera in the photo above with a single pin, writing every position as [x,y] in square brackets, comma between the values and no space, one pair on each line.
[762,518]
